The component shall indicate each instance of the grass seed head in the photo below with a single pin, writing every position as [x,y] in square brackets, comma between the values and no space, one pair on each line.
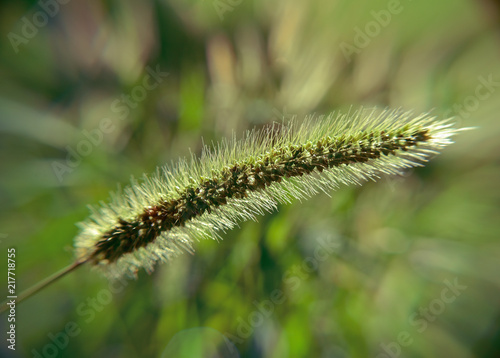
[164,214]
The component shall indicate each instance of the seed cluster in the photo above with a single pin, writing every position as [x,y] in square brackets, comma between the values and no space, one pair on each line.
[238,180]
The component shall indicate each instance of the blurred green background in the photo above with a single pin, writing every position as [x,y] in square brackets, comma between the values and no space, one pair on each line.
[379,288]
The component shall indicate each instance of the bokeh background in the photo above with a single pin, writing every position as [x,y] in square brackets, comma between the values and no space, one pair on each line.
[393,246]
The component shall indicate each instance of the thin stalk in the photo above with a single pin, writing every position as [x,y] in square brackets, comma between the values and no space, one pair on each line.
[42,284]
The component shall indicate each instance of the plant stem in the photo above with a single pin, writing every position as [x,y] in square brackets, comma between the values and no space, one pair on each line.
[42,284]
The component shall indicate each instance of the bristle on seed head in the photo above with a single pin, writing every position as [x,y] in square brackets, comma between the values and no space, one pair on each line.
[163,215]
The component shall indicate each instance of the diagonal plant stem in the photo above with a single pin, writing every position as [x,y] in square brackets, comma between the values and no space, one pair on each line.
[163,215]
[42,284]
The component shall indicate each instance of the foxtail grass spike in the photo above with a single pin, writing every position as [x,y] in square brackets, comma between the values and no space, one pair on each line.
[165,213]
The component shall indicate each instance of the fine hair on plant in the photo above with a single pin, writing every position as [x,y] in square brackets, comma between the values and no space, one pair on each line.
[165,213]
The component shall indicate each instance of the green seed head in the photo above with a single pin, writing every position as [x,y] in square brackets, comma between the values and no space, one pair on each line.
[162,216]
